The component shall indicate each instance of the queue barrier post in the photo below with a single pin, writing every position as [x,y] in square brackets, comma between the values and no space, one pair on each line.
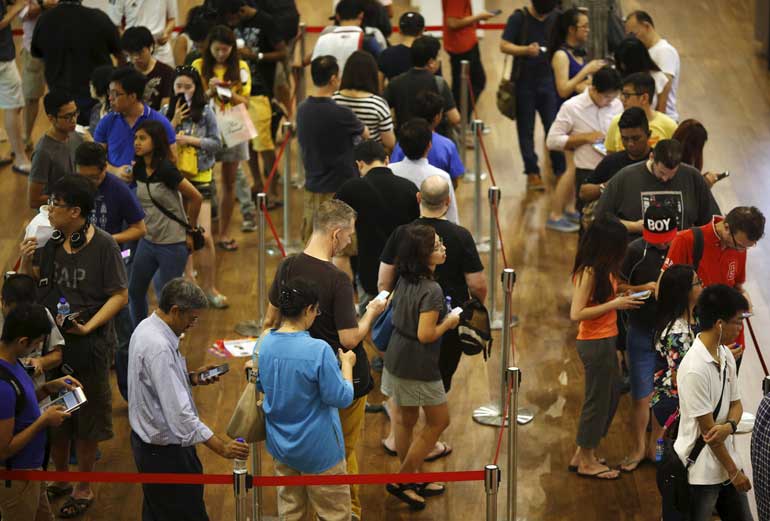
[299,180]
[476,127]
[261,258]
[495,318]
[465,73]
[241,485]
[514,382]
[766,385]
[493,413]
[491,487]
[289,247]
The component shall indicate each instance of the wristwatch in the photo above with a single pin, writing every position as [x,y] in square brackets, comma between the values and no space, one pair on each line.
[260,56]
[733,425]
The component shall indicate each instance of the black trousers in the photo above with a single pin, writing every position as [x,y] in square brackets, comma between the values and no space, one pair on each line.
[477,75]
[449,357]
[169,502]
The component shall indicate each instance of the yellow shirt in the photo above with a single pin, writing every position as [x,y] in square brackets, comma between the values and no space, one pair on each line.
[661,127]
[244,89]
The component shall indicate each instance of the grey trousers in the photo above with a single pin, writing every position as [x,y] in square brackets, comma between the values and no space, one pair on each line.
[602,390]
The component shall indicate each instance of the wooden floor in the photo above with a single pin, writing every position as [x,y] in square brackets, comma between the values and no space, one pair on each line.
[725,85]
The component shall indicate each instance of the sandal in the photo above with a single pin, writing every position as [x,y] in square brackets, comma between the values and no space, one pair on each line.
[75,507]
[424,491]
[388,450]
[598,475]
[230,245]
[446,451]
[573,468]
[400,492]
[55,491]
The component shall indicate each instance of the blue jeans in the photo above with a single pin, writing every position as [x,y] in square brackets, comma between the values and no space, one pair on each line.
[536,96]
[168,260]
[243,193]
[729,503]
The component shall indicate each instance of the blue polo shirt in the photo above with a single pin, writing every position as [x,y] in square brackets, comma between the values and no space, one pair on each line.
[115,206]
[113,131]
[443,154]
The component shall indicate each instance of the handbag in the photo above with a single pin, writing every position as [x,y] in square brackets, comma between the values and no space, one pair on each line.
[382,329]
[187,159]
[248,419]
[198,238]
[235,125]
[506,91]
[672,473]
[475,330]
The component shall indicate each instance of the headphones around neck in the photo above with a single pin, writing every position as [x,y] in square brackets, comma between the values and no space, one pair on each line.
[77,239]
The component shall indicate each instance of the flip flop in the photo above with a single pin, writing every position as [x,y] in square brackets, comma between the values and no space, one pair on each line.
[388,450]
[6,161]
[444,453]
[400,492]
[22,170]
[55,491]
[230,245]
[635,462]
[75,507]
[597,475]
[424,491]
[573,468]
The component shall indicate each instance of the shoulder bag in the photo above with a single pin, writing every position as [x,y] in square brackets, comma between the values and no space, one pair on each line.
[506,91]
[195,233]
[187,158]
[248,419]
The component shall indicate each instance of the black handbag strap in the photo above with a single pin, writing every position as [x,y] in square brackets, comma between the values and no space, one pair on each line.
[699,443]
[165,211]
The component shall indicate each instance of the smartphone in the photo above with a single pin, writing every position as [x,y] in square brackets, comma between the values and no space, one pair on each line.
[224,92]
[80,129]
[724,174]
[641,295]
[29,368]
[178,98]
[382,295]
[214,371]
[69,321]
[495,11]
[71,400]
[599,147]
[543,49]
[456,311]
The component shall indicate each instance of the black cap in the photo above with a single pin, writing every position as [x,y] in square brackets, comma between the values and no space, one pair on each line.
[659,225]
[347,10]
[411,23]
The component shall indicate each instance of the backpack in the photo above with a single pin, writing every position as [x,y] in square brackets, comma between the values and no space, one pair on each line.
[697,249]
[21,402]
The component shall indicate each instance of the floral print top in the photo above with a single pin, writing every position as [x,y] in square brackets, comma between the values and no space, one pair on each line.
[671,348]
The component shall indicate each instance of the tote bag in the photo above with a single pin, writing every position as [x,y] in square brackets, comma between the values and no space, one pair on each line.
[235,125]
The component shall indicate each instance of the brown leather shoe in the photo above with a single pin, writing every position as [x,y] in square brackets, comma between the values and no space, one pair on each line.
[535,183]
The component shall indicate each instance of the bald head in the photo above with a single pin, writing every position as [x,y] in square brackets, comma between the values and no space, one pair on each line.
[434,193]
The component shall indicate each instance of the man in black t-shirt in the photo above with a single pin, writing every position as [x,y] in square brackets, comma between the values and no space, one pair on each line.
[139,44]
[73,40]
[383,201]
[397,59]
[333,226]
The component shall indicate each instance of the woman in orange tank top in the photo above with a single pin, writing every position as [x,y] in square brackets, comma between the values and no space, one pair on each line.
[594,304]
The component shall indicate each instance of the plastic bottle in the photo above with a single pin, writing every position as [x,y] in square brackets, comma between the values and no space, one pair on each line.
[62,308]
[659,450]
[240,466]
[448,300]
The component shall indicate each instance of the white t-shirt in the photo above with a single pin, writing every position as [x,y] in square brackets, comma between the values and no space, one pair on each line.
[152,14]
[108,6]
[667,58]
[418,171]
[340,42]
[699,382]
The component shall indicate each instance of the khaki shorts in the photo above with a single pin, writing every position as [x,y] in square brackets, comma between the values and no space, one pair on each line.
[10,86]
[32,76]
[261,114]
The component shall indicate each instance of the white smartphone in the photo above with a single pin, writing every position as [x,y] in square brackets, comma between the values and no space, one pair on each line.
[382,295]
[456,311]
[641,295]
[80,129]
[214,371]
[599,147]
[224,92]
[71,400]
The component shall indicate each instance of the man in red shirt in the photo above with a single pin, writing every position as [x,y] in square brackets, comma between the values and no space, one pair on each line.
[461,43]
[723,257]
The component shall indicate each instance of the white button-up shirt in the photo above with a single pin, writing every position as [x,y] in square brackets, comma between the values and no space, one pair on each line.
[579,115]
[699,381]
[418,171]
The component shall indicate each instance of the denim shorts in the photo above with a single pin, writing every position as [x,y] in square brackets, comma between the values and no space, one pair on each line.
[641,361]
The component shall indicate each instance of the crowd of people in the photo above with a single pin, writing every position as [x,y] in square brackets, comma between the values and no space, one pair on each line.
[136,179]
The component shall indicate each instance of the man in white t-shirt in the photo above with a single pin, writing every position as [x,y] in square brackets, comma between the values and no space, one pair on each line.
[346,38]
[159,16]
[640,24]
[106,6]
[710,409]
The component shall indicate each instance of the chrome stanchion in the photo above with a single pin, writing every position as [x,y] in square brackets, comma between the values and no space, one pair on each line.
[256,462]
[495,318]
[481,244]
[288,246]
[240,489]
[253,328]
[465,74]
[492,414]
[514,380]
[766,385]
[491,486]
[299,180]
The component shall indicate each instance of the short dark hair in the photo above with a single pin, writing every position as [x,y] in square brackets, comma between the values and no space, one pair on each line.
[668,152]
[370,151]
[137,38]
[719,302]
[160,146]
[643,83]
[77,192]
[26,320]
[414,250]
[414,137]
[100,79]
[746,219]
[607,79]
[91,154]
[295,295]
[55,100]
[634,117]
[424,49]
[349,9]
[360,73]
[642,16]
[200,20]
[428,104]
[322,69]
[229,6]
[132,81]
[19,288]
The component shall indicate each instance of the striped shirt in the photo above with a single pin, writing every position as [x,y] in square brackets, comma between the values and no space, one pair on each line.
[373,111]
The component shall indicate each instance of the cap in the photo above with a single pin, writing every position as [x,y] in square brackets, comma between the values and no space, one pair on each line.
[411,23]
[659,225]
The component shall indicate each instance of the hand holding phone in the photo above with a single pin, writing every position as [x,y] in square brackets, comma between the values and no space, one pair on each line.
[224,92]
[641,295]
[382,295]
[212,374]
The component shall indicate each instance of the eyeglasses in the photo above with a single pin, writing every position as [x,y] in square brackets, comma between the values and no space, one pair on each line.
[438,245]
[626,95]
[69,116]
[53,204]
[736,245]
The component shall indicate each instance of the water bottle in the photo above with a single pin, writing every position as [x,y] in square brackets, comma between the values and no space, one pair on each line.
[448,300]
[240,466]
[659,451]
[62,309]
